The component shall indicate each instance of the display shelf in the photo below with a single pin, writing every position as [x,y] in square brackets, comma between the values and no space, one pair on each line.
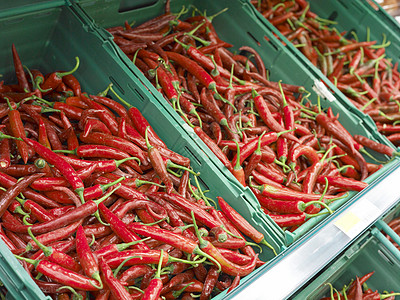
[311,253]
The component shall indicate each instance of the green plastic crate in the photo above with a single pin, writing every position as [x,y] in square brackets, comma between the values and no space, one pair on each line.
[49,40]
[368,253]
[361,17]
[239,26]
[382,224]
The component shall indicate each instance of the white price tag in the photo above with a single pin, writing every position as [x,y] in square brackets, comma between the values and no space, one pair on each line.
[359,216]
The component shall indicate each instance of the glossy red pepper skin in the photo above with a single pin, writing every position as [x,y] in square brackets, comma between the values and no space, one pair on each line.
[86,258]
[115,142]
[86,209]
[117,289]
[209,283]
[19,71]
[139,257]
[187,206]
[52,158]
[65,276]
[178,241]
[239,221]
[213,147]
[15,190]
[120,228]
[17,129]
[153,291]
[193,68]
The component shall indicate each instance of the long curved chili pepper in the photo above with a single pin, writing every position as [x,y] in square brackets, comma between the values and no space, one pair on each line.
[120,228]
[343,182]
[62,275]
[86,258]
[245,227]
[115,142]
[201,215]
[193,68]
[19,70]
[64,167]
[268,119]
[15,190]
[313,173]
[124,191]
[238,170]
[86,209]
[332,129]
[72,82]
[158,165]
[117,289]
[213,147]
[18,131]
[101,151]
[140,123]
[210,282]
[40,213]
[373,145]
[153,290]
[56,256]
[55,79]
[220,261]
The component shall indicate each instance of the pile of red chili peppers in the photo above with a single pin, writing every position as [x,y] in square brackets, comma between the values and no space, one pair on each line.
[296,157]
[358,289]
[360,69]
[95,205]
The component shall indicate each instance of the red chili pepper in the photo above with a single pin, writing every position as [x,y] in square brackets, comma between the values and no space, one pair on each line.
[56,256]
[201,215]
[62,275]
[210,282]
[238,170]
[153,291]
[86,209]
[157,162]
[70,81]
[41,214]
[68,172]
[86,258]
[268,119]
[15,190]
[124,191]
[333,129]
[8,181]
[234,284]
[100,151]
[120,228]
[213,147]
[19,71]
[193,68]
[343,182]
[55,79]
[311,178]
[140,123]
[115,142]
[241,223]
[284,193]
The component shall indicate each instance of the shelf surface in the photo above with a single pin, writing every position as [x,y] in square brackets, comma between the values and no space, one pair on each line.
[310,254]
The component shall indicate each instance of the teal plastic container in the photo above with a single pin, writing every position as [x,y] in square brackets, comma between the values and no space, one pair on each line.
[368,253]
[239,26]
[364,18]
[49,40]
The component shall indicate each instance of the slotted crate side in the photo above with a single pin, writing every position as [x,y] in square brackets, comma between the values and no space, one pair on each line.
[366,254]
